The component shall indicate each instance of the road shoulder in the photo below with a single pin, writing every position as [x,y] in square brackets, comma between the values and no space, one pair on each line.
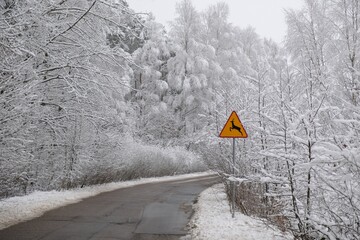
[212,220]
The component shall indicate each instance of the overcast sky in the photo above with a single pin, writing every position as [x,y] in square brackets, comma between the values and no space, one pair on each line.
[266,16]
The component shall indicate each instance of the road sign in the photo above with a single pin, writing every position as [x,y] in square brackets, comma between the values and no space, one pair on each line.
[233,128]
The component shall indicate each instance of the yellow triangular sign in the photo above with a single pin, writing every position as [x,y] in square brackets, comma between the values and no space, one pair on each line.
[233,128]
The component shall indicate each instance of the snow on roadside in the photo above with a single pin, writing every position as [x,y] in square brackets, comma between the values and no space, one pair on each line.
[17,209]
[212,221]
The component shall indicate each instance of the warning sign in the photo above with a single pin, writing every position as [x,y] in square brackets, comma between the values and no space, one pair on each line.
[233,128]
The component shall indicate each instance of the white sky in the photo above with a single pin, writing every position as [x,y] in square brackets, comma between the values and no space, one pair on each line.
[266,16]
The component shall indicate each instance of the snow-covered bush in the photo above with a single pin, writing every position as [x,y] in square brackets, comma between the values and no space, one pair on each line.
[136,160]
[151,161]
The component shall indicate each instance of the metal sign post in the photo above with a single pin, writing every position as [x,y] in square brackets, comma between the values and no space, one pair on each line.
[233,183]
[233,128]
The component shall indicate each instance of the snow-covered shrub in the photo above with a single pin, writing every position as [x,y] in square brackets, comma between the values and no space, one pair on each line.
[151,161]
[131,161]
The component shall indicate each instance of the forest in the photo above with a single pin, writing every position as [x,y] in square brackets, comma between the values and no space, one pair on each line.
[93,92]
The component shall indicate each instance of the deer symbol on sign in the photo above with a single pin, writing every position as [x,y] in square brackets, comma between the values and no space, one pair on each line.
[233,126]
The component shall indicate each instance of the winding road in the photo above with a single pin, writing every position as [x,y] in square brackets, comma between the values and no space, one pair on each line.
[154,211]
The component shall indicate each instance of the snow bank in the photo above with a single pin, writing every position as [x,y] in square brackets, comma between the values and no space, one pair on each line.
[213,221]
[17,209]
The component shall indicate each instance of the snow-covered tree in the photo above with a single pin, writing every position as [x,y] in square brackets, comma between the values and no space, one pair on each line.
[62,88]
[155,122]
[187,80]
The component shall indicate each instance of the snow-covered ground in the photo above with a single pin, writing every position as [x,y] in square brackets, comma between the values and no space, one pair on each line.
[212,221]
[16,209]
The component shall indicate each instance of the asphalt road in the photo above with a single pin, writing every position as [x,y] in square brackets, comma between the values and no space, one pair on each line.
[145,212]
